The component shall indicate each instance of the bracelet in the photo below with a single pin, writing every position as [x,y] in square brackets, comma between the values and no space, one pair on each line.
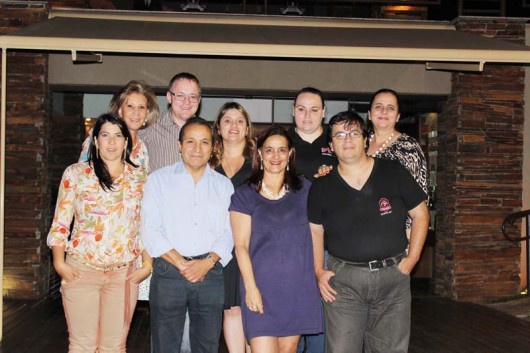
[148,265]
[210,257]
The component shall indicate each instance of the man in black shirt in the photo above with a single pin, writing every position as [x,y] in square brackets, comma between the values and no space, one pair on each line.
[362,206]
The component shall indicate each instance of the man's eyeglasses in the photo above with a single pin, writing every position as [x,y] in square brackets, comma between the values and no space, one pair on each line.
[343,134]
[181,97]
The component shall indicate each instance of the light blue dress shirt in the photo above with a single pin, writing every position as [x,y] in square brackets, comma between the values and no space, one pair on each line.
[190,218]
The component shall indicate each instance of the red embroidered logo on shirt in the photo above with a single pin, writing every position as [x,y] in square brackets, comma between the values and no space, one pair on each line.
[384,206]
[326,151]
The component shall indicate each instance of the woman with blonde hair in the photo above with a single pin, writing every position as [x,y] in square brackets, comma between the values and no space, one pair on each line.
[136,104]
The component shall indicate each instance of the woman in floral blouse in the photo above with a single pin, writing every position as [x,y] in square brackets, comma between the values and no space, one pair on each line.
[99,277]
[136,104]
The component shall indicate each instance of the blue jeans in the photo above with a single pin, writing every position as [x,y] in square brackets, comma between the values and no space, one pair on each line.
[171,296]
[371,310]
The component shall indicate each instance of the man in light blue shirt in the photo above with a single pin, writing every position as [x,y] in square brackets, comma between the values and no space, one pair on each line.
[186,229]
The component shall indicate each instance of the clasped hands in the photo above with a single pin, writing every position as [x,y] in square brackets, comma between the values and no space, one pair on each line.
[194,270]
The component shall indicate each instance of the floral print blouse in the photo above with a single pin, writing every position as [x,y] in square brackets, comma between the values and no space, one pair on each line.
[139,154]
[107,223]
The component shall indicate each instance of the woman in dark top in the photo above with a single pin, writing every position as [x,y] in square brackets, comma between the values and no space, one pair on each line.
[310,137]
[309,134]
[234,145]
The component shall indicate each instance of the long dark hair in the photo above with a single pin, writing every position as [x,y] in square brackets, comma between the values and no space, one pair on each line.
[100,168]
[218,148]
[291,178]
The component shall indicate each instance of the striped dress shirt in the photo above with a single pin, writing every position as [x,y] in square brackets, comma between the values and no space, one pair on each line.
[161,140]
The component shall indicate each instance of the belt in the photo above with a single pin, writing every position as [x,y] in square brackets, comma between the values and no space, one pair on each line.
[101,268]
[377,265]
[198,257]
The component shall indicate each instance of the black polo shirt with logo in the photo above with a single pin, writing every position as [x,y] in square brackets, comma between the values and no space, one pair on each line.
[310,156]
[367,224]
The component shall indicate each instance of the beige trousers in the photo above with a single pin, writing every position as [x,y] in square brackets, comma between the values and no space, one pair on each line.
[99,307]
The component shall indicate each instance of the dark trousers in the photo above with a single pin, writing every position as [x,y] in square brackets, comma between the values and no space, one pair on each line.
[371,313]
[171,296]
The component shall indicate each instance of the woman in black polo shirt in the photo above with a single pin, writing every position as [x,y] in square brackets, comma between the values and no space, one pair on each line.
[310,134]
[310,137]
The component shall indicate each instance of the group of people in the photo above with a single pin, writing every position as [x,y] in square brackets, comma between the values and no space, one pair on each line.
[297,240]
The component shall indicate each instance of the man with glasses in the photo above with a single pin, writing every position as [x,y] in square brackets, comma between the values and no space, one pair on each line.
[161,138]
[184,97]
[362,206]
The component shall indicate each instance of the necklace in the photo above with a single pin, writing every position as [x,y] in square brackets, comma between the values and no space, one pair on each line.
[232,170]
[383,146]
[269,195]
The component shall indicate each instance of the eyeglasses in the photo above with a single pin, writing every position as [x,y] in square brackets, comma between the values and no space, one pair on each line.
[343,134]
[181,97]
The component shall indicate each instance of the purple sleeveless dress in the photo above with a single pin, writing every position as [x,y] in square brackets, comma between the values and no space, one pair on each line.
[281,252]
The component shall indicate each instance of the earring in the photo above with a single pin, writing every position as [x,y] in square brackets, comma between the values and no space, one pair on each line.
[143,124]
[124,155]
[97,152]
[261,165]
[287,166]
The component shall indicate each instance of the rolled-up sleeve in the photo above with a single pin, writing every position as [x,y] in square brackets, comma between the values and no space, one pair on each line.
[152,231]
[224,244]
[64,210]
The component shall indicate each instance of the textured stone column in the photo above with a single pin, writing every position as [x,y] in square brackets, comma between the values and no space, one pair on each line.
[25,262]
[480,173]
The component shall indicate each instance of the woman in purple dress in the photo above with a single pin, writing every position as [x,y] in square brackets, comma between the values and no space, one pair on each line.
[274,249]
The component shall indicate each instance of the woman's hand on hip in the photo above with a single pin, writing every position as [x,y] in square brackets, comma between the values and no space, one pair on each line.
[67,272]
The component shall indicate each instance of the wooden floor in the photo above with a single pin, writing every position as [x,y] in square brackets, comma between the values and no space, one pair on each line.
[438,326]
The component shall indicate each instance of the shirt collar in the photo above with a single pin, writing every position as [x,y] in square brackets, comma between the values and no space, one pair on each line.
[180,169]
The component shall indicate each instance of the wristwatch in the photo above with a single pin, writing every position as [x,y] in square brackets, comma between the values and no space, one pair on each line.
[210,257]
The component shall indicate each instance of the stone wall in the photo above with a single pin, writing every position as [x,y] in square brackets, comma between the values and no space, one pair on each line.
[26,262]
[66,133]
[480,174]
[28,201]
